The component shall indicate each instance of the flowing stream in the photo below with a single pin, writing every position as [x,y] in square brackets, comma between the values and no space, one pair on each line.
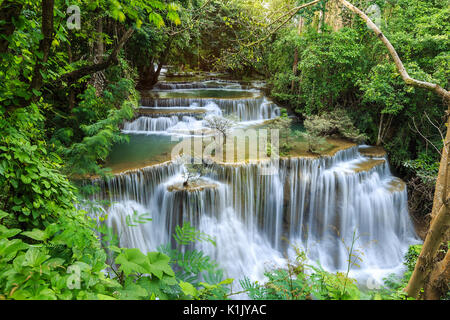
[317,204]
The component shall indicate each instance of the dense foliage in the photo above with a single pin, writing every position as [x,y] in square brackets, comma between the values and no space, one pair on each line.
[65,93]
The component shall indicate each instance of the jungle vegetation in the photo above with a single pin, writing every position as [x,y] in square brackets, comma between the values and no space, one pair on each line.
[65,90]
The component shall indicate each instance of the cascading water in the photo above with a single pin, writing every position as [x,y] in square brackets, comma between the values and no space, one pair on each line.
[244,109]
[198,85]
[159,124]
[174,115]
[315,203]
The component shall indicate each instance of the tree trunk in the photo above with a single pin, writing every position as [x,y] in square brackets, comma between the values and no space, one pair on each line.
[295,65]
[148,76]
[333,15]
[294,69]
[437,286]
[426,262]
[46,43]
[319,25]
[98,79]
[100,47]
[428,273]
[9,12]
[379,140]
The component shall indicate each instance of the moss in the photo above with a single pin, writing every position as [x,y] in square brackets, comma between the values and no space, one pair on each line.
[368,165]
[397,185]
[330,148]
[373,152]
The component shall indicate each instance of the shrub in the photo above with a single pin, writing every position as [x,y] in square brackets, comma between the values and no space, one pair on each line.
[336,123]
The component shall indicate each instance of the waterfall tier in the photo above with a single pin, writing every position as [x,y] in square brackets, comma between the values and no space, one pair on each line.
[316,203]
[244,109]
[149,124]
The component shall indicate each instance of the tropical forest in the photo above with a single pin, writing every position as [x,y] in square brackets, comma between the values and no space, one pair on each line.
[224,150]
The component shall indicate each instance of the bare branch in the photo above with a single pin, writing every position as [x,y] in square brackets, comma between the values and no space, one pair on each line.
[426,139]
[437,128]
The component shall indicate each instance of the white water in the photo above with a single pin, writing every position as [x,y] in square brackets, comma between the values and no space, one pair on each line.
[154,125]
[308,202]
[246,111]
[316,204]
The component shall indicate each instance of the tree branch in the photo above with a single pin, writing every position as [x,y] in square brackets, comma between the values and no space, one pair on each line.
[112,60]
[444,94]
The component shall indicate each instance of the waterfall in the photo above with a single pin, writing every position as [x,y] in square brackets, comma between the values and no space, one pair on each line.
[330,199]
[135,185]
[150,124]
[244,109]
[159,124]
[316,203]
[175,115]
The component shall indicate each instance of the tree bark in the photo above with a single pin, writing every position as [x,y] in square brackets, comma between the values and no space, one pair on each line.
[295,65]
[319,24]
[379,140]
[100,46]
[437,285]
[45,44]
[148,75]
[9,12]
[443,178]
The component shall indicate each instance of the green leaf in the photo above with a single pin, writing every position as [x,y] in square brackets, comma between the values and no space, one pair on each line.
[159,263]
[25,179]
[226,281]
[133,261]
[3,214]
[34,257]
[36,234]
[132,291]
[8,233]
[188,289]
[9,249]
[208,286]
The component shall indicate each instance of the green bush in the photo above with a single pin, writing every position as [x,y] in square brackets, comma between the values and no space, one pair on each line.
[335,123]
